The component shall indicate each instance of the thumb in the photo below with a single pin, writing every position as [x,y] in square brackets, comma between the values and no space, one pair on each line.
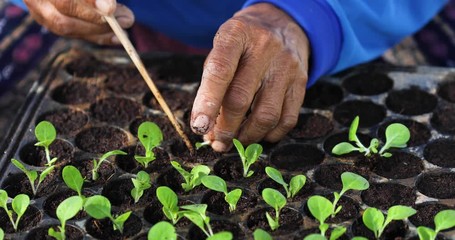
[104,7]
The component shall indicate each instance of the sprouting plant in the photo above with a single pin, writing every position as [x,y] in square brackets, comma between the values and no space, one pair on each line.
[297,182]
[221,236]
[350,181]
[260,234]
[196,213]
[150,136]
[216,183]
[336,233]
[443,220]
[162,230]
[168,198]
[19,205]
[141,183]
[65,211]
[397,135]
[45,133]
[277,201]
[99,207]
[192,178]
[374,218]
[248,156]
[321,208]
[2,234]
[97,162]
[199,145]
[73,179]
[32,175]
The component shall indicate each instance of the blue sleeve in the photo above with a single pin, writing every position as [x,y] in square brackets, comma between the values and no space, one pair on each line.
[19,3]
[348,32]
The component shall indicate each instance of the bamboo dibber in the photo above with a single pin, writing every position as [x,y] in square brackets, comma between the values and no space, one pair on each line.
[140,66]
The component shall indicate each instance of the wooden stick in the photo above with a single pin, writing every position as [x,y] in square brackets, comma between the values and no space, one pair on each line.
[140,66]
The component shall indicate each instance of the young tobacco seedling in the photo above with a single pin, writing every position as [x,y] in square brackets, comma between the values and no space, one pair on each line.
[443,220]
[196,213]
[397,135]
[99,207]
[19,205]
[162,231]
[216,183]
[141,183]
[73,179]
[374,219]
[192,178]
[65,211]
[45,133]
[336,233]
[350,181]
[2,234]
[277,201]
[297,182]
[97,162]
[248,156]
[321,208]
[199,145]
[150,136]
[221,236]
[168,198]
[260,234]
[32,175]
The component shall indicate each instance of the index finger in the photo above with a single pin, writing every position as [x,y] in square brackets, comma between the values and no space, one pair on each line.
[219,69]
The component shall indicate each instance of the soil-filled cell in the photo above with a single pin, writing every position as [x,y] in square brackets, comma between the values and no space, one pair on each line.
[412,101]
[178,68]
[350,210]
[36,156]
[66,121]
[322,95]
[426,212]
[369,113]
[176,99]
[443,119]
[216,203]
[290,220]
[437,184]
[420,133]
[446,89]
[105,171]
[441,153]
[329,175]
[368,84]
[85,65]
[296,157]
[102,139]
[161,120]
[385,195]
[400,165]
[119,111]
[76,92]
[118,192]
[230,168]
[125,80]
[103,229]
[19,183]
[310,126]
[129,164]
[29,220]
[41,233]
[394,230]
[202,155]
[195,233]
[51,203]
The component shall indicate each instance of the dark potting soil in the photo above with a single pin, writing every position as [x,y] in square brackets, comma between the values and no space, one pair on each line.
[36,156]
[76,92]
[217,204]
[103,229]
[385,195]
[85,65]
[41,233]
[102,139]
[350,210]
[173,179]
[126,80]
[446,90]
[426,212]
[18,183]
[290,220]
[334,139]
[306,191]
[118,192]
[412,101]
[161,120]
[437,184]
[420,134]
[400,165]
[195,233]
[329,175]
[395,230]
[310,126]
[369,113]
[202,155]
[179,69]
[51,203]
[296,157]
[440,152]
[119,111]
[105,172]
[230,168]
[175,98]
[30,219]
[66,121]
[129,164]
[322,95]
[368,84]
[443,119]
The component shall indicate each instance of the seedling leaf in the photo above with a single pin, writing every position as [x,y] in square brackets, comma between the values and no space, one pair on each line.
[162,231]
[2,234]
[221,236]
[274,198]
[337,233]
[320,207]
[149,135]
[239,147]
[215,183]
[353,129]
[297,183]
[276,176]
[68,209]
[20,204]
[45,133]
[397,135]
[444,220]
[353,181]
[373,220]
[426,233]
[98,207]
[120,221]
[344,148]
[73,178]
[260,234]
[315,236]
[232,198]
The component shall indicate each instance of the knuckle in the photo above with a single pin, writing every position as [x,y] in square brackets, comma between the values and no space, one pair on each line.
[219,69]
[233,31]
[288,122]
[237,100]
[267,119]
[60,25]
[66,6]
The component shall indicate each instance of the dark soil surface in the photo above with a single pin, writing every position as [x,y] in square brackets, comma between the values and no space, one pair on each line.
[101,139]
[178,69]
[66,121]
[102,229]
[411,102]
[446,90]
[322,95]
[76,92]
[129,164]
[369,113]
[41,233]
[437,185]
[329,175]
[426,212]
[51,203]
[175,98]
[217,204]
[306,191]
[350,210]
[118,192]
[334,139]
[18,183]
[420,133]
[161,120]
[119,111]
[36,156]
[441,153]
[203,155]
[310,126]
[400,165]
[105,172]
[368,84]
[395,230]
[231,169]
[217,226]
[296,157]
[30,219]
[125,80]
[86,65]
[290,220]
[443,119]
[385,195]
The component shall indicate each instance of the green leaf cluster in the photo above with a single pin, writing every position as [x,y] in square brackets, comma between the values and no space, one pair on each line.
[32,175]
[248,156]
[443,220]
[168,198]
[97,162]
[150,136]
[45,133]
[260,234]
[375,221]
[277,201]
[19,205]
[162,231]
[216,183]
[140,183]
[65,211]
[99,207]
[192,178]
[297,182]
[73,179]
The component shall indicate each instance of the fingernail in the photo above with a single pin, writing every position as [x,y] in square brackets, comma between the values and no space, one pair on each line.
[115,40]
[103,6]
[201,124]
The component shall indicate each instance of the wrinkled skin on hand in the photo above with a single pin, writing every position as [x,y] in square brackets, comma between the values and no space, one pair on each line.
[80,18]
[254,79]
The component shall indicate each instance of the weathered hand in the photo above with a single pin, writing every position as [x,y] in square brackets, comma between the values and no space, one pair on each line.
[80,18]
[254,79]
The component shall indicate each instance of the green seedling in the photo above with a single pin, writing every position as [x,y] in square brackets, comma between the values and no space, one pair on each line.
[248,156]
[19,205]
[397,135]
[162,231]
[192,178]
[260,234]
[321,208]
[99,207]
[277,201]
[168,198]
[141,183]
[65,211]
[443,220]
[2,234]
[73,179]
[374,219]
[359,238]
[196,213]
[97,162]
[336,233]
[221,236]
[32,175]
[216,183]
[150,136]
[297,182]
[45,133]
[350,181]
[199,145]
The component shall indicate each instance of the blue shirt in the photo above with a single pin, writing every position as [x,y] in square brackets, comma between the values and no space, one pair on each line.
[342,33]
